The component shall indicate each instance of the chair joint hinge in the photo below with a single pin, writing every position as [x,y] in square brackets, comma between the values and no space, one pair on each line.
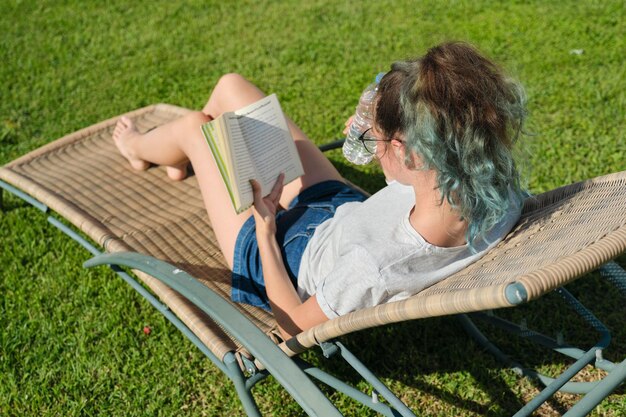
[328,349]
[249,365]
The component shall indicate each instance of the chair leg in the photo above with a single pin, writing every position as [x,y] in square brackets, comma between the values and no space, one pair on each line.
[594,392]
[239,380]
[357,365]
[615,274]
[340,386]
[599,393]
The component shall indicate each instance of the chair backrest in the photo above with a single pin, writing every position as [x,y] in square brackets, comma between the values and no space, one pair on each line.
[561,235]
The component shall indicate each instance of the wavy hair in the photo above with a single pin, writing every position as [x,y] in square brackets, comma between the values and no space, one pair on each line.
[462,116]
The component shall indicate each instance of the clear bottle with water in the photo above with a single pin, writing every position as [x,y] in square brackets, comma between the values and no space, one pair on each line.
[353,149]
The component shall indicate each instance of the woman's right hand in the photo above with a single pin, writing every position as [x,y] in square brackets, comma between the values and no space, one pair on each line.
[264,209]
[348,123]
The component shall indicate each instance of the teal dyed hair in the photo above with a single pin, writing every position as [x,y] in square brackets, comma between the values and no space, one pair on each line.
[457,111]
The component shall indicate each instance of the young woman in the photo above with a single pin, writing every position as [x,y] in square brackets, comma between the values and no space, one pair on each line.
[443,132]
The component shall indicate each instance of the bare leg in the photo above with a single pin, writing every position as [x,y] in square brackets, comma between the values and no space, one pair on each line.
[317,167]
[181,140]
[175,143]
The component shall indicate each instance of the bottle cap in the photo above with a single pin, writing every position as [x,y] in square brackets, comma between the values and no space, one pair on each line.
[380,76]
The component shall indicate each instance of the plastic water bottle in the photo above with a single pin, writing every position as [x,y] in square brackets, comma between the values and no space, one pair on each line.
[353,149]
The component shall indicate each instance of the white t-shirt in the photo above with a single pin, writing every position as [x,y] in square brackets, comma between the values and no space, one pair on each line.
[369,254]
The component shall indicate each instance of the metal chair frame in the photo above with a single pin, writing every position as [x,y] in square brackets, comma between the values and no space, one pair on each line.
[292,372]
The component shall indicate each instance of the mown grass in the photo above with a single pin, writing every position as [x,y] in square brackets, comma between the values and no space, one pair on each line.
[71,340]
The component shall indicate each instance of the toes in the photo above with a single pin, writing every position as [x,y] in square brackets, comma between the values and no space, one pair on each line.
[116,132]
[120,127]
[123,125]
[128,123]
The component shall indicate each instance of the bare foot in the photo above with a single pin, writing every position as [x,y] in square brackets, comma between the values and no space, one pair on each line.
[125,131]
[123,135]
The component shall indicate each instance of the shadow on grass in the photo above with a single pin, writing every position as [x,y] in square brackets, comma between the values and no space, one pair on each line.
[437,357]
[9,202]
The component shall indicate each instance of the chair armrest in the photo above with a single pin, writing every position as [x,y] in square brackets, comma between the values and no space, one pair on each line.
[332,145]
[275,360]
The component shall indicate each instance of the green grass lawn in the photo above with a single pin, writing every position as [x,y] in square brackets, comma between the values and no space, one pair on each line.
[71,340]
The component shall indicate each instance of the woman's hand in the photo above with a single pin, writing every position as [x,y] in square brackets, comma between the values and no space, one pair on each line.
[265,208]
[291,314]
[348,123]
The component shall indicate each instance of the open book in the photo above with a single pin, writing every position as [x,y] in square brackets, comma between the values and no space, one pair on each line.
[252,143]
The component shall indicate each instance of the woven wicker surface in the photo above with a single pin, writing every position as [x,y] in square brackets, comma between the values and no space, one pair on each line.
[562,234]
[83,178]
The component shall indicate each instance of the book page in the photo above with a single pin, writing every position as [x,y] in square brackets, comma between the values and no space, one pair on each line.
[253,143]
[269,143]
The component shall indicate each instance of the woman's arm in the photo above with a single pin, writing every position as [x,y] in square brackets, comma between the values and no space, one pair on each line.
[292,315]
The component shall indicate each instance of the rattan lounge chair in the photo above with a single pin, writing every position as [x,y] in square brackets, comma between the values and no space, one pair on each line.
[159,229]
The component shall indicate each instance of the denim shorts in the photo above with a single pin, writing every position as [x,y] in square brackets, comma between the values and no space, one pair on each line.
[295,226]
